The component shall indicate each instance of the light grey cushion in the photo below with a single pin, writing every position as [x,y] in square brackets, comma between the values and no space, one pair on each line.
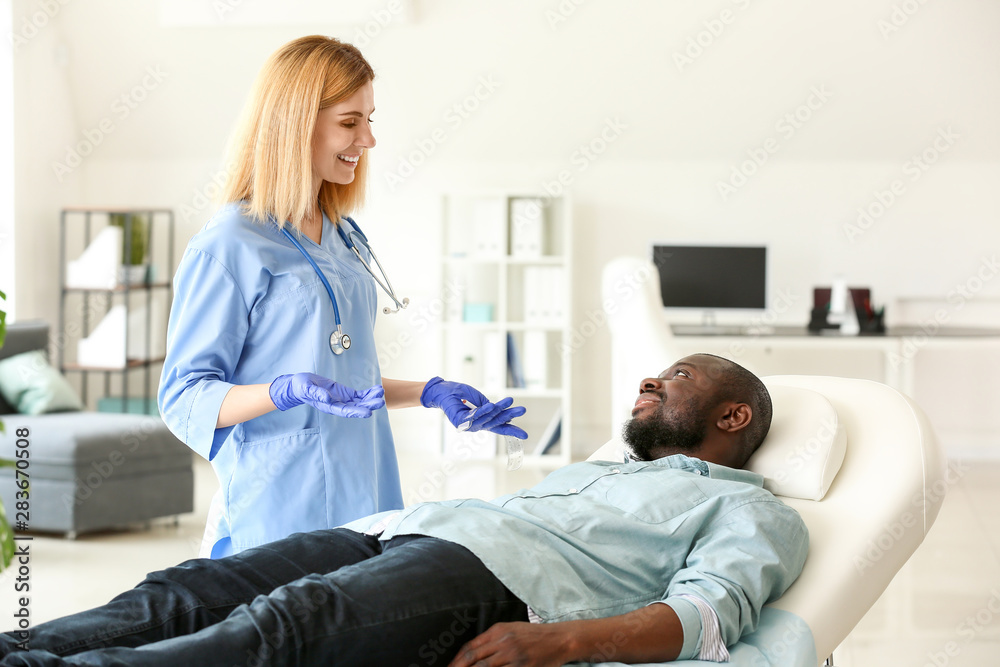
[31,385]
[22,337]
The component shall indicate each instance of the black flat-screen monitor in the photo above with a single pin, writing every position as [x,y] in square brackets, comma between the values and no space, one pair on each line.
[712,277]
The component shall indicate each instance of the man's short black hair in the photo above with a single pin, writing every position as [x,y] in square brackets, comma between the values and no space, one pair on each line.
[735,383]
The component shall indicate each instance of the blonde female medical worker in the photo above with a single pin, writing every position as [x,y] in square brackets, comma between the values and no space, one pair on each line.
[297,434]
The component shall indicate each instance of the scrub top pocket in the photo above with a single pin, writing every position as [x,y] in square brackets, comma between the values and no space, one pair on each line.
[267,495]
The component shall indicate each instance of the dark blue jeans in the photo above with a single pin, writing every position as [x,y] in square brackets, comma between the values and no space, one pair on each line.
[332,597]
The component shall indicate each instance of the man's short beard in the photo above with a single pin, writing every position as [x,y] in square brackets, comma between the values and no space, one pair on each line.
[653,437]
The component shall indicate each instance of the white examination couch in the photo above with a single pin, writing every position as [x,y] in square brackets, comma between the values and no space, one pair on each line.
[857,459]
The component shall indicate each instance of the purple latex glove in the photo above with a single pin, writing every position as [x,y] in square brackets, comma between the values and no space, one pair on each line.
[492,417]
[288,391]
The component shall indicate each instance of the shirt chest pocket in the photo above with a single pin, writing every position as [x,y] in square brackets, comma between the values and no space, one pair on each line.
[654,498]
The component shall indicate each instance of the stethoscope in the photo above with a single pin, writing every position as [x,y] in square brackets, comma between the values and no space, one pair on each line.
[339,341]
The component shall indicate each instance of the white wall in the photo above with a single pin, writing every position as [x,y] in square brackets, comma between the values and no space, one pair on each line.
[7,164]
[547,84]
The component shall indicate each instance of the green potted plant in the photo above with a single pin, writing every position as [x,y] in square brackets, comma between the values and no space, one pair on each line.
[133,263]
[6,534]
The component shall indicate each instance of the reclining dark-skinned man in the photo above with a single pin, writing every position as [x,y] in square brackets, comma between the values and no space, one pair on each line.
[669,554]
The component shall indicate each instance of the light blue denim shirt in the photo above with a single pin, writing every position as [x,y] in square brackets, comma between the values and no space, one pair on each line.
[599,538]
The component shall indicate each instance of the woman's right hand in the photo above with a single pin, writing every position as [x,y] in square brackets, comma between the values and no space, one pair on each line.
[288,391]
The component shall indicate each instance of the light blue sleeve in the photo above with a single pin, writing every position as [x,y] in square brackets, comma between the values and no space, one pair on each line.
[205,335]
[690,625]
[782,639]
[742,561]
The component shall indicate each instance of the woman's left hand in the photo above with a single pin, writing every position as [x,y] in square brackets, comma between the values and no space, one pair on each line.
[451,397]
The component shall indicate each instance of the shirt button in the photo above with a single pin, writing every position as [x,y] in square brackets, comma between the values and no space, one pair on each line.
[615,470]
[573,491]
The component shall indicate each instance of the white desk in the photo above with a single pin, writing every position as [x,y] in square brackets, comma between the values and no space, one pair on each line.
[899,345]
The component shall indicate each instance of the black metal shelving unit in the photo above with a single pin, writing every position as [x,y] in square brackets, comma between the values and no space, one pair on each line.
[89,217]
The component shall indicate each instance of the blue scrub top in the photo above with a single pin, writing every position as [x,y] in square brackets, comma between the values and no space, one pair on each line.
[247,308]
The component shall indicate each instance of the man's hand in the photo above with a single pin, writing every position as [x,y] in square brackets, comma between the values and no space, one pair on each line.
[520,644]
[650,634]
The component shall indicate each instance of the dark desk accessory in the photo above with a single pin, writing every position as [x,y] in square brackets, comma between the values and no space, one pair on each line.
[870,319]
[818,321]
[874,322]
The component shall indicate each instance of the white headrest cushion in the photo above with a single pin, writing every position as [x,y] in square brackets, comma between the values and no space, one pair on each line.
[805,446]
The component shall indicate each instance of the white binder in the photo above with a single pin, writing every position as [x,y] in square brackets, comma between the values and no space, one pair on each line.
[527,228]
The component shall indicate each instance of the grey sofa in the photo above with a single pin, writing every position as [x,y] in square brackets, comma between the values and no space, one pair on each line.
[91,471]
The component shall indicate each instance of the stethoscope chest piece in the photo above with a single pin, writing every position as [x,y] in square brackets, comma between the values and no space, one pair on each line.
[339,342]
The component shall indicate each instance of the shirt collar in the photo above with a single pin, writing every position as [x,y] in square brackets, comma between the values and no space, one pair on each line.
[707,469]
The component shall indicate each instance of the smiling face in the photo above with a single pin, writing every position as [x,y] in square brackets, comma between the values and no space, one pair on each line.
[674,410]
[343,133]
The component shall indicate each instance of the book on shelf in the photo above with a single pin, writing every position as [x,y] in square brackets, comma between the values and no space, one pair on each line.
[536,360]
[96,268]
[488,217]
[515,372]
[551,435]
[527,227]
[531,301]
[105,345]
[544,295]
[494,362]
[556,292]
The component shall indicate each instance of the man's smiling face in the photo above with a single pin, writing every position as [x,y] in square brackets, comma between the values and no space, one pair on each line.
[673,411]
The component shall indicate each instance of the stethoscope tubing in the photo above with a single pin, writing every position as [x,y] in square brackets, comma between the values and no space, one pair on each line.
[386,286]
[319,272]
[339,341]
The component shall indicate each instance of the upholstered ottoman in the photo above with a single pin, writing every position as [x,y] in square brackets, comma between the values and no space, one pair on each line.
[86,471]
[91,471]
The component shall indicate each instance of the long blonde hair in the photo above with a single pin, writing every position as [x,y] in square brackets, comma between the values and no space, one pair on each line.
[270,153]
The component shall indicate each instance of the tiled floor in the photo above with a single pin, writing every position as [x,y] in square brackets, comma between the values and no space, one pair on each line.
[942,609]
